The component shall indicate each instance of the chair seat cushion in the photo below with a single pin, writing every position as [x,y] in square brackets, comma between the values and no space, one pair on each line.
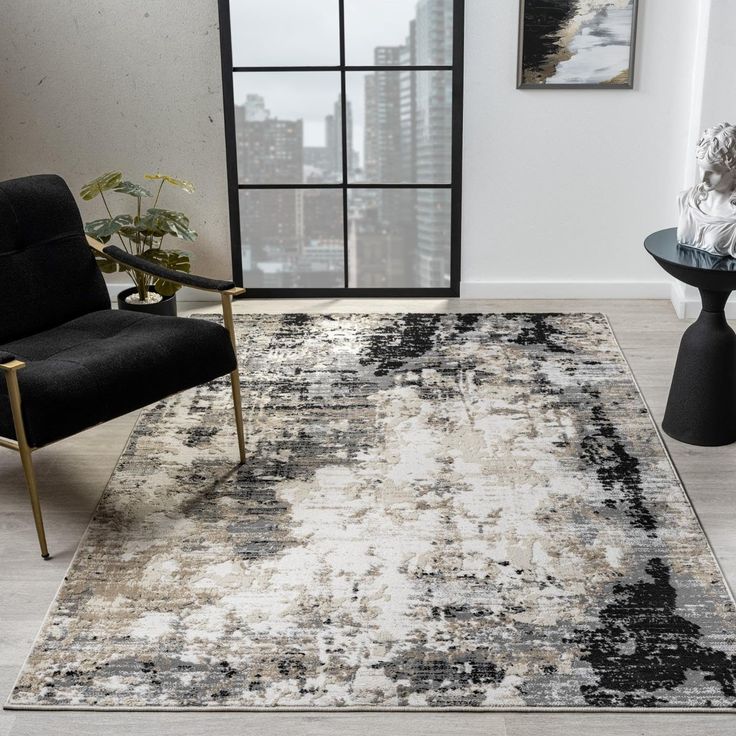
[105,364]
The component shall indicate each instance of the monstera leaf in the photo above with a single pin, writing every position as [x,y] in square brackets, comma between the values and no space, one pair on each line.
[103,183]
[187,186]
[133,189]
[108,266]
[160,222]
[104,229]
[139,234]
[177,260]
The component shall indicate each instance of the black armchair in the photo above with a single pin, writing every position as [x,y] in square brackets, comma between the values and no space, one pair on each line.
[70,361]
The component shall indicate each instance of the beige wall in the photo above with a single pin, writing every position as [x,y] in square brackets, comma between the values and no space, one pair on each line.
[93,85]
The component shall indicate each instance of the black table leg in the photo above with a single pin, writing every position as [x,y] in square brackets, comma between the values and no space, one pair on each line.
[701,408]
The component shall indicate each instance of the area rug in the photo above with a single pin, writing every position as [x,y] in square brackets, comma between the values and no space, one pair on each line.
[448,512]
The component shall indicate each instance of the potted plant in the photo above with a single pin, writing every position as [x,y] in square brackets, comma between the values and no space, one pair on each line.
[142,234]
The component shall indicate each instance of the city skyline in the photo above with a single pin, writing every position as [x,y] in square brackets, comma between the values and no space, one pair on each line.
[398,130]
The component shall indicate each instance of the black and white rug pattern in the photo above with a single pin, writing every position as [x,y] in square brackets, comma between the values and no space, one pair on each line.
[439,511]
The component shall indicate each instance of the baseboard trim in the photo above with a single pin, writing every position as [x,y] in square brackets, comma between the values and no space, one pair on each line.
[565,290]
[679,299]
[686,301]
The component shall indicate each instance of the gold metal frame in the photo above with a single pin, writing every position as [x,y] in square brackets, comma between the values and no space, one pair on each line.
[20,444]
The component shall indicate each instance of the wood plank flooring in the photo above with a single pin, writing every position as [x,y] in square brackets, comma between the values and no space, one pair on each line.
[73,474]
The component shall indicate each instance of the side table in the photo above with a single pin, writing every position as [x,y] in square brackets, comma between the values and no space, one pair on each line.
[701,408]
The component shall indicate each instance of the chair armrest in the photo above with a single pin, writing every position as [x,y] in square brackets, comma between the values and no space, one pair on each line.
[9,362]
[154,269]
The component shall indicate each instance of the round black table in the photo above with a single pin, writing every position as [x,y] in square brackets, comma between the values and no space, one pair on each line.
[701,408]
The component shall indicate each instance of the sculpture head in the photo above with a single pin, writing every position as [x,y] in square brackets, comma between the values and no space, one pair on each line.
[716,156]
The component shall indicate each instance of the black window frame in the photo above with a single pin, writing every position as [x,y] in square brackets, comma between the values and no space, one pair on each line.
[454,186]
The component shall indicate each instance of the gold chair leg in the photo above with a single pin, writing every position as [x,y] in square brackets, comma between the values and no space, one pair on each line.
[227,315]
[25,457]
[238,405]
[11,377]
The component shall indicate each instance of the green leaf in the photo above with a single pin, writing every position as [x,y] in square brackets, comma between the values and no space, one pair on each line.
[166,288]
[106,265]
[160,222]
[103,183]
[131,232]
[135,190]
[104,229]
[177,260]
[187,186]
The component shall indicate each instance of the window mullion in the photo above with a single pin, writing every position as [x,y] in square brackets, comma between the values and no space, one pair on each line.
[345,152]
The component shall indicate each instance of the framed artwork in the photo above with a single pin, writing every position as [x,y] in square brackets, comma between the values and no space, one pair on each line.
[581,44]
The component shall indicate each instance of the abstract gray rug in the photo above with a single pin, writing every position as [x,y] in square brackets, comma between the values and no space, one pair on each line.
[439,512]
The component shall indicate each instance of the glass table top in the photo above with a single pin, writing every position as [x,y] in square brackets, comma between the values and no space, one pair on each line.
[663,246]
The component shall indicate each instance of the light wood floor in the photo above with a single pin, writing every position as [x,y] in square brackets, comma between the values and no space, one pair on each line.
[73,474]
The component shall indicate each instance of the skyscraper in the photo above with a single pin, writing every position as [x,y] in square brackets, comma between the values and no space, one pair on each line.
[255,108]
[333,140]
[387,248]
[270,151]
[370,130]
[433,132]
[407,107]
[383,118]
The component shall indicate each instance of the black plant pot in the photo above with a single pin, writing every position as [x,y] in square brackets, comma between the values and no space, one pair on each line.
[165,308]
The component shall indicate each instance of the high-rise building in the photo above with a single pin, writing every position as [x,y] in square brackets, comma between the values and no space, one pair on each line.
[270,151]
[407,107]
[321,255]
[333,140]
[383,118]
[255,108]
[322,218]
[370,130]
[433,133]
[407,215]
[316,165]
[386,239]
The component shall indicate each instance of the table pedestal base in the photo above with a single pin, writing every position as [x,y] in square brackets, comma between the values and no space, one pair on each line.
[701,409]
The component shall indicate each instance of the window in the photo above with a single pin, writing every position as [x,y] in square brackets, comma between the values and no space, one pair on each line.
[343,129]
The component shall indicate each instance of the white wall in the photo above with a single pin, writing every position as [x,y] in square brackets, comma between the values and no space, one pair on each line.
[713,101]
[560,187]
[563,185]
[719,89]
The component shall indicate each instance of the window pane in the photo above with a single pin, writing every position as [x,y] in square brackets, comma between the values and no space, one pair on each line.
[402,126]
[399,238]
[392,32]
[288,127]
[285,32]
[292,238]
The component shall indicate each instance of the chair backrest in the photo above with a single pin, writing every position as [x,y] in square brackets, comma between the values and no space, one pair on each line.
[48,274]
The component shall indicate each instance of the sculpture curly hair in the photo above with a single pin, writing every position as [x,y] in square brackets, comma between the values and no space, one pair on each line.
[717,145]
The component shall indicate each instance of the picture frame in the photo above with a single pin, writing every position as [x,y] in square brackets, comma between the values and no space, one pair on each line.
[560,48]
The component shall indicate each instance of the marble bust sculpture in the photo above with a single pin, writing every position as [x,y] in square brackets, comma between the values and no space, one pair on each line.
[708,210]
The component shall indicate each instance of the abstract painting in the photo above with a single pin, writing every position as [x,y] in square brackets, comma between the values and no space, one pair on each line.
[577,43]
